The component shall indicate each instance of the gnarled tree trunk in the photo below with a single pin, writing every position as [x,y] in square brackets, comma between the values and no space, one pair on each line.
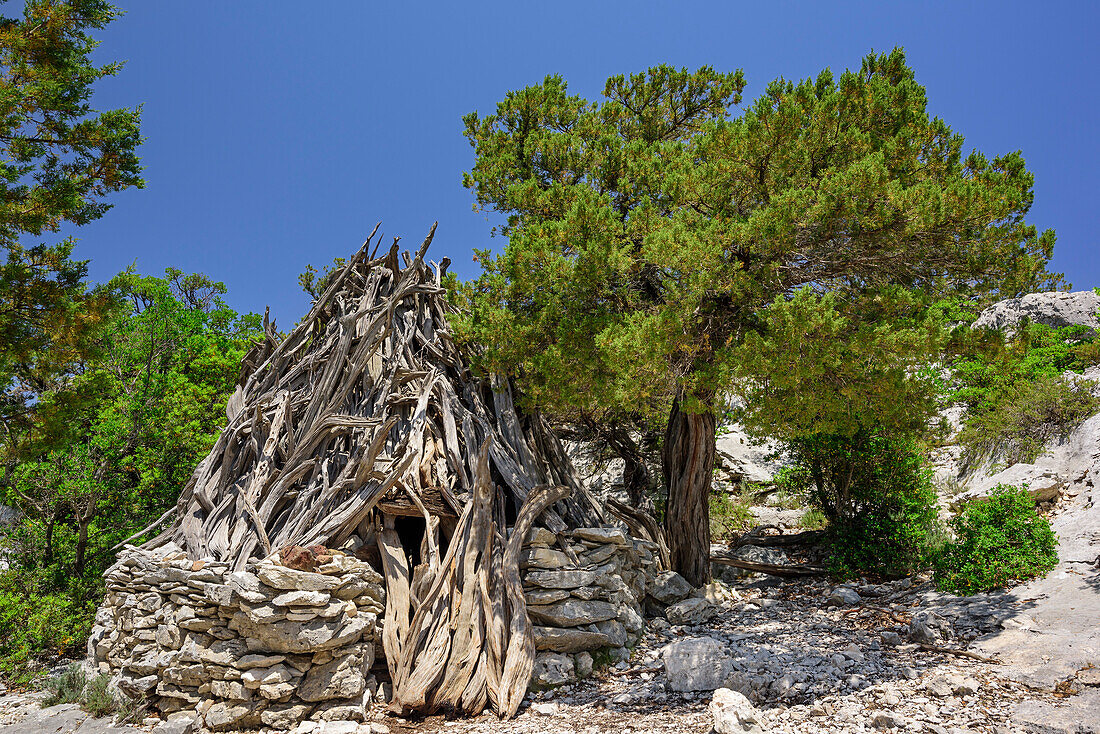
[687,462]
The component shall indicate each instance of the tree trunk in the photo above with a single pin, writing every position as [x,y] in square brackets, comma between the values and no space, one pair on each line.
[688,461]
[636,481]
[81,546]
[48,555]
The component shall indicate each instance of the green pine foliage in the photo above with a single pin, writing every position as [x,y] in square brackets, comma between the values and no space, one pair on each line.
[59,161]
[999,540]
[656,235]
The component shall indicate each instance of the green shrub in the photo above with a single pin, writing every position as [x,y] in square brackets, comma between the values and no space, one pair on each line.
[38,627]
[999,540]
[1027,416]
[812,519]
[1015,392]
[730,515]
[890,540]
[97,699]
[67,687]
[876,498]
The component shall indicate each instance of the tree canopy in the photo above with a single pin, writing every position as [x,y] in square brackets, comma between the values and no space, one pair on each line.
[650,232]
[60,160]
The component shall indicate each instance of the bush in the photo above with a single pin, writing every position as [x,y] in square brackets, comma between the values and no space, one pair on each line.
[999,540]
[98,700]
[730,515]
[876,497]
[37,627]
[1026,416]
[1016,394]
[891,540]
[67,687]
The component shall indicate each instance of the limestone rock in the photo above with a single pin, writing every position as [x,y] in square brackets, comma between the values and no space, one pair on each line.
[281,577]
[732,713]
[583,664]
[692,610]
[301,598]
[843,596]
[696,664]
[341,677]
[542,557]
[557,639]
[1043,483]
[602,535]
[561,578]
[669,588]
[295,637]
[551,670]
[540,536]
[284,716]
[1052,309]
[928,628]
[572,613]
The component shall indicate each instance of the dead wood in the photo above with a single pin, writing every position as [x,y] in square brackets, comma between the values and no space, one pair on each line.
[367,399]
[772,569]
[368,410]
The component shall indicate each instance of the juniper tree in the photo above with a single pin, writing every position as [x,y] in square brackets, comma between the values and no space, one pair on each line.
[648,231]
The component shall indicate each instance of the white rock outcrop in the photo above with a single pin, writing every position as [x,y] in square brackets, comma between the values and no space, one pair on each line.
[1056,308]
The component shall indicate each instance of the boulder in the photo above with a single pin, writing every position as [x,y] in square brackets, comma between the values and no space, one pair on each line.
[1054,308]
[669,587]
[551,670]
[696,664]
[1043,483]
[732,713]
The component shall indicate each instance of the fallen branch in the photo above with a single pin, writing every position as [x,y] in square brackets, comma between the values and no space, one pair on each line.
[959,653]
[806,537]
[772,569]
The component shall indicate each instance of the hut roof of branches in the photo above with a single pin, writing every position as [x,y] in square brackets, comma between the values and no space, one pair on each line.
[367,404]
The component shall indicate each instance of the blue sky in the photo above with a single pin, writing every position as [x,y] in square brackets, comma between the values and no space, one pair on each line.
[278,133]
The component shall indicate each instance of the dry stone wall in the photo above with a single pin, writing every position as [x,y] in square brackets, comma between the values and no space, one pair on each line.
[269,646]
[272,646]
[586,596]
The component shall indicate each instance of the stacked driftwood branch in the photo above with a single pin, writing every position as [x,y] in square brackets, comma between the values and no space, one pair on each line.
[367,401]
[469,641]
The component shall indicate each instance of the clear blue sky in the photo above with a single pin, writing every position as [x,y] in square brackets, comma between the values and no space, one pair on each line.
[278,133]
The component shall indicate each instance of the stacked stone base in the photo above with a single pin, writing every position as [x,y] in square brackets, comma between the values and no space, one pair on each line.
[273,646]
[591,604]
[270,646]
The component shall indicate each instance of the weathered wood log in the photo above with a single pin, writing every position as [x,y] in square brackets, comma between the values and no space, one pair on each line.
[772,569]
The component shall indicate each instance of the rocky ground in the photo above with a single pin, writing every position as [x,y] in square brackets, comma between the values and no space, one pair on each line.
[811,657]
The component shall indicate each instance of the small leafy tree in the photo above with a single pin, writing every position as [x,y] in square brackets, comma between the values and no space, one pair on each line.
[647,232]
[96,468]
